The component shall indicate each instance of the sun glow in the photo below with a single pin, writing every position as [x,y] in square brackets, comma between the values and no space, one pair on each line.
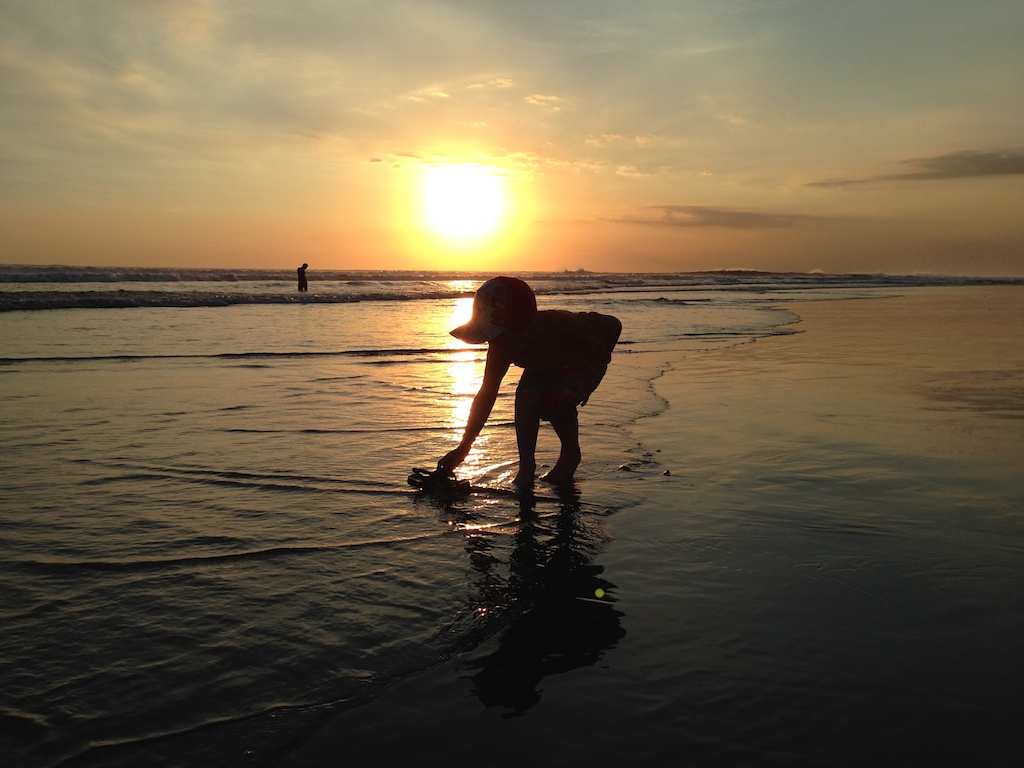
[464,202]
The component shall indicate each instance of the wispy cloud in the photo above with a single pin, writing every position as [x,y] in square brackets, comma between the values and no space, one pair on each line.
[553,103]
[956,165]
[706,216]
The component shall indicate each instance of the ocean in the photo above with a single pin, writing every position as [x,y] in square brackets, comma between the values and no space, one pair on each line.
[209,545]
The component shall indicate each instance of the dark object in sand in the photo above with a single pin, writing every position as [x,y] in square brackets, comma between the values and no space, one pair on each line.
[437,481]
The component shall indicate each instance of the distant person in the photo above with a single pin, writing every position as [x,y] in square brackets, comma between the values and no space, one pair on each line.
[564,356]
[303,285]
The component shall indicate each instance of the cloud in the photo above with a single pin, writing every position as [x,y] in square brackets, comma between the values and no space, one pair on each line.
[603,140]
[955,165]
[547,102]
[498,82]
[686,216]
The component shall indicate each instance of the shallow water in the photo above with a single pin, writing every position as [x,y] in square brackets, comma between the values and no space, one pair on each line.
[208,536]
[209,545]
[829,573]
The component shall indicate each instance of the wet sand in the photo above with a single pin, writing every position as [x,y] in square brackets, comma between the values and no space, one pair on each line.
[831,571]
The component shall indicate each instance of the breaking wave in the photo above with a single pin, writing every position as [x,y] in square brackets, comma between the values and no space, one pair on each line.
[29,288]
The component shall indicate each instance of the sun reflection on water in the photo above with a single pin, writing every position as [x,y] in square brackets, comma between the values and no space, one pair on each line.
[464,369]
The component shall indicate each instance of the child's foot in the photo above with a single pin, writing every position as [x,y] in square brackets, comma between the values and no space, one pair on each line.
[524,480]
[558,478]
[562,473]
[564,469]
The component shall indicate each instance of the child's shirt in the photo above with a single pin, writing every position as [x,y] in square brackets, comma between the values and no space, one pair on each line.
[559,340]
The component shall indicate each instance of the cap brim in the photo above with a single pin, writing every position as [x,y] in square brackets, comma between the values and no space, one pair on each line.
[476,333]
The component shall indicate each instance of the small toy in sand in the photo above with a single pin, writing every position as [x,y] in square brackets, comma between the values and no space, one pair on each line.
[437,481]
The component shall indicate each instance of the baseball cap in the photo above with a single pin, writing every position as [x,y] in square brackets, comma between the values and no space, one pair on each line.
[500,304]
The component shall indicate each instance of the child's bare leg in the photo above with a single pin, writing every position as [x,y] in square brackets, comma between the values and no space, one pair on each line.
[527,427]
[567,427]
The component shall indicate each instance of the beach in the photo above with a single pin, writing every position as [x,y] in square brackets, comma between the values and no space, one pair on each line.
[827,569]
[795,537]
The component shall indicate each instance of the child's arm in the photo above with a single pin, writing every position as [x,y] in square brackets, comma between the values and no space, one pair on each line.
[495,368]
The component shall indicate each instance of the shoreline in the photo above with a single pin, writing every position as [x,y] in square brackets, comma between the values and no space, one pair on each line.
[828,575]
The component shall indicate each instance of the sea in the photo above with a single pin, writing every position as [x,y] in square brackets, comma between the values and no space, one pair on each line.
[208,544]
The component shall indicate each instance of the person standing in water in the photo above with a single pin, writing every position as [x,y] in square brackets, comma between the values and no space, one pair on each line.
[564,356]
[303,285]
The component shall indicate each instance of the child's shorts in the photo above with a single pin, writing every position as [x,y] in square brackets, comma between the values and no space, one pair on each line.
[553,387]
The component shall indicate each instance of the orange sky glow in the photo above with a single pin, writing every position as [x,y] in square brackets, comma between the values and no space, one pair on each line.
[650,136]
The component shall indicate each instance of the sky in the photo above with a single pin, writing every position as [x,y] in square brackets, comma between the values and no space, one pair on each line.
[607,135]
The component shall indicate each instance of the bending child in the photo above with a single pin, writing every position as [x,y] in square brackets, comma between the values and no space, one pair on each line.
[564,356]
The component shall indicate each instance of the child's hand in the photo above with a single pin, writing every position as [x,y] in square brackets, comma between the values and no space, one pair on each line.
[452,459]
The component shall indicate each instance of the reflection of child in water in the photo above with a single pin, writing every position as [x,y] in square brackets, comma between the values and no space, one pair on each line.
[303,285]
[564,356]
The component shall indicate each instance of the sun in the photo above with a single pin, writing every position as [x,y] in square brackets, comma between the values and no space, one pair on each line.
[464,202]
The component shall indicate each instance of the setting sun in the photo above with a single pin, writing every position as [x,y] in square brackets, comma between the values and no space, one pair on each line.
[463,201]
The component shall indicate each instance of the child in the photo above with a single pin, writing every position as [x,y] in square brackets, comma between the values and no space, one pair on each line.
[564,356]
